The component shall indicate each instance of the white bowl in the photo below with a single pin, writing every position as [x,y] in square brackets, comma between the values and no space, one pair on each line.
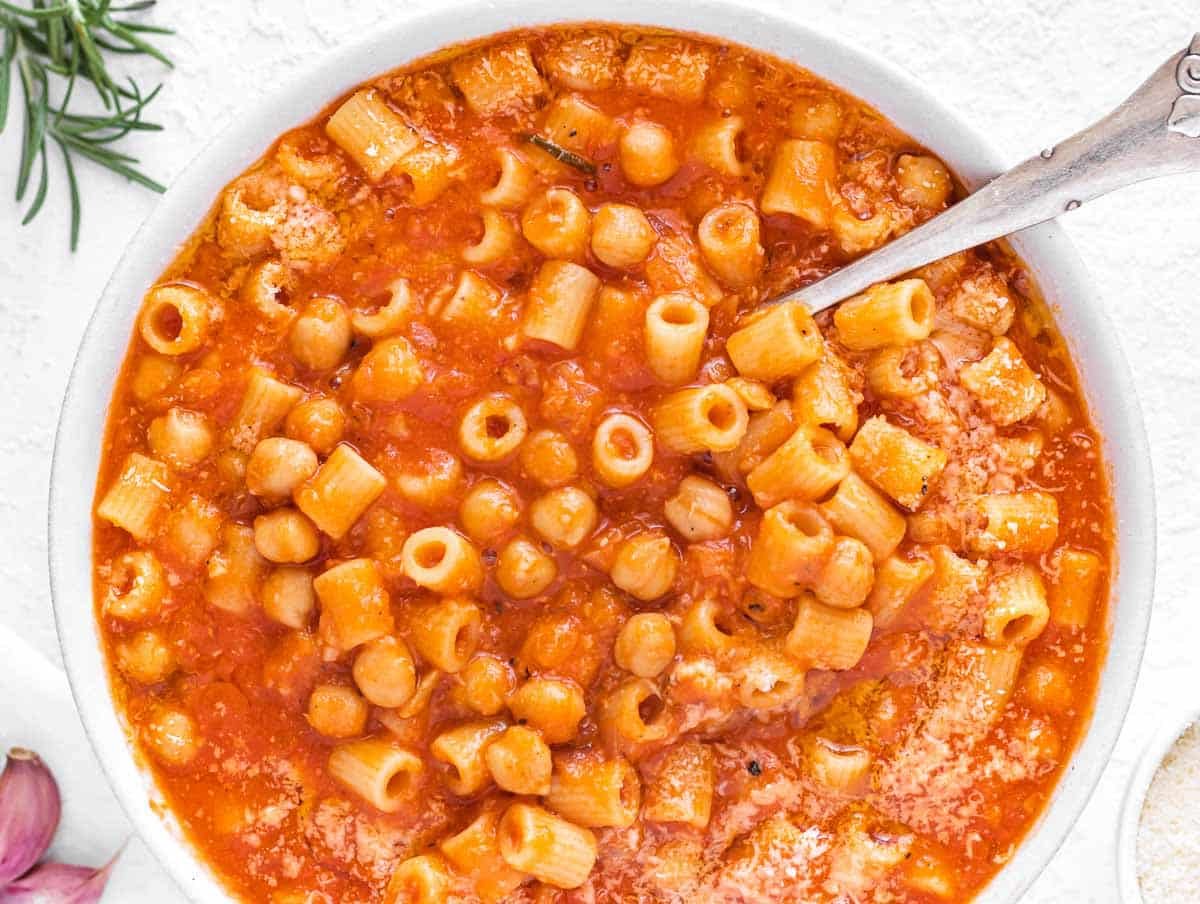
[1135,798]
[864,73]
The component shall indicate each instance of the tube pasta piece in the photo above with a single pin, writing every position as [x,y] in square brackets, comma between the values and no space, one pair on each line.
[385,775]
[710,418]
[498,240]
[646,565]
[1024,523]
[571,122]
[701,630]
[498,80]
[266,401]
[807,466]
[176,318]
[765,678]
[1016,611]
[801,182]
[896,462]
[728,236]
[839,767]
[343,488]
[446,634]
[558,304]
[622,450]
[584,62]
[550,849]
[858,510]
[136,498]
[391,317]
[903,372]
[676,328]
[790,550]
[683,787]
[823,397]
[700,510]
[492,429]
[668,67]
[137,587]
[355,605]
[475,853]
[823,637]
[558,225]
[514,183]
[1074,586]
[631,714]
[776,344]
[235,571]
[897,313]
[715,144]
[1004,384]
[593,791]
[372,134]
[266,290]
[983,300]
[462,749]
[442,560]
[897,581]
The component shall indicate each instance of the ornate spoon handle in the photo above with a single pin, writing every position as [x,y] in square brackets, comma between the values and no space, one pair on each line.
[1155,132]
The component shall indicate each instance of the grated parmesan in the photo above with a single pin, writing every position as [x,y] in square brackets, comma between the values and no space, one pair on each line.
[1168,842]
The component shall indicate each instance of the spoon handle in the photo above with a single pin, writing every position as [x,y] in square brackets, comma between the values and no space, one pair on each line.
[1155,132]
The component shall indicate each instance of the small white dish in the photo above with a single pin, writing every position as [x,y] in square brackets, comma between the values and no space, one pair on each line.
[1135,798]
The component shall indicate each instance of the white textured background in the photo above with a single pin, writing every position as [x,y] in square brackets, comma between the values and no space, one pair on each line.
[1027,71]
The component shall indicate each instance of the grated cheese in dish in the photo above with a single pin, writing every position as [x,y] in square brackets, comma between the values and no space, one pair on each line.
[1168,844]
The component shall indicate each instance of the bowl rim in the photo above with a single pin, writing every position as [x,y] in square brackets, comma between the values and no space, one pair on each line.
[1148,762]
[879,82]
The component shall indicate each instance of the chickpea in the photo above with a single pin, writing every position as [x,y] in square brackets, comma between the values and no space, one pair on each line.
[489,511]
[285,536]
[648,155]
[622,237]
[278,465]
[321,335]
[318,422]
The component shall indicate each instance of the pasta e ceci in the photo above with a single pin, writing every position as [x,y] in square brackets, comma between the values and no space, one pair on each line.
[464,533]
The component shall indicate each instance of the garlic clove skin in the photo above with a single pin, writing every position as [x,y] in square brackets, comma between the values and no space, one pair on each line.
[30,807]
[59,883]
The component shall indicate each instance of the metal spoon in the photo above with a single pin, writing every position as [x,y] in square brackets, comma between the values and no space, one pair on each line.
[1155,132]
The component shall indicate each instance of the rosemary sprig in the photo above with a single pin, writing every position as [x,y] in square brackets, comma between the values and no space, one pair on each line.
[50,46]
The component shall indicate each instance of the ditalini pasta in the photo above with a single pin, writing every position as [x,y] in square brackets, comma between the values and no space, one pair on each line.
[469,529]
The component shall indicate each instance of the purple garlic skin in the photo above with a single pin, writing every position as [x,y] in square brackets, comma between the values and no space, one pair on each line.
[58,883]
[30,807]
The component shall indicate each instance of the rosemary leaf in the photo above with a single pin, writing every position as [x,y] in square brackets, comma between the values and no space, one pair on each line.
[561,154]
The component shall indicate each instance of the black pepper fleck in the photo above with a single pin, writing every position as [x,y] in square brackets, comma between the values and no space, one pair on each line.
[753,768]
